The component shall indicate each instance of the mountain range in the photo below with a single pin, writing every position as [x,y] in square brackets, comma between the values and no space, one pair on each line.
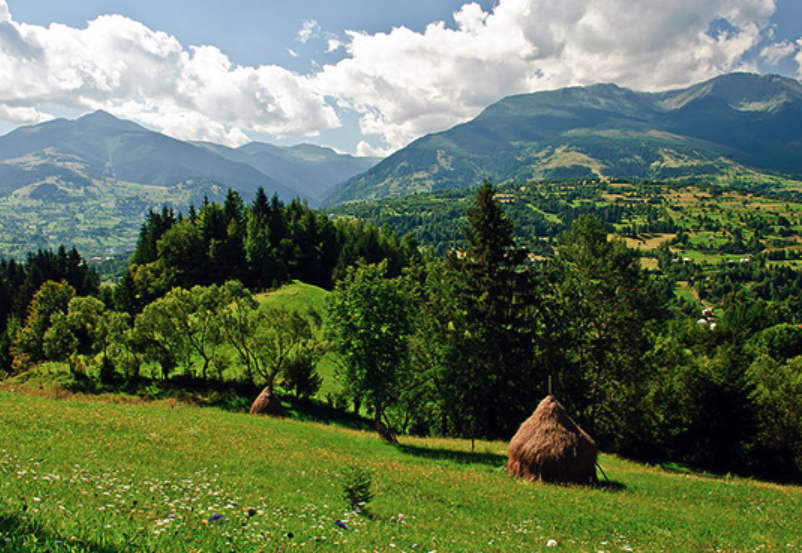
[91,181]
[99,146]
[734,127]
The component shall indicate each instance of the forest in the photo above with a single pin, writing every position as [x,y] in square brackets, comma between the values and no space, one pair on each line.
[659,358]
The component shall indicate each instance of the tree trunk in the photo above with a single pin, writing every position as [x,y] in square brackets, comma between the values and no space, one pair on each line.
[384,430]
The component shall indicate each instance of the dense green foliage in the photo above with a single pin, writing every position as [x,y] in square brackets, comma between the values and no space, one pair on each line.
[491,322]
[638,368]
[466,344]
[371,319]
[262,245]
[21,281]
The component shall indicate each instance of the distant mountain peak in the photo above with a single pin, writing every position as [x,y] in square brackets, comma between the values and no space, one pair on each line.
[104,120]
[741,91]
[99,114]
[727,127]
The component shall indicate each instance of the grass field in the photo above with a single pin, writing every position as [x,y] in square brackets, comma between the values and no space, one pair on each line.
[81,474]
[297,295]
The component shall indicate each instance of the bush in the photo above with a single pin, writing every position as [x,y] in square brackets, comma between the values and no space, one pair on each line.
[357,484]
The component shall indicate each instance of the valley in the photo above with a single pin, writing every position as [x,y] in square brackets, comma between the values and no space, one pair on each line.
[637,255]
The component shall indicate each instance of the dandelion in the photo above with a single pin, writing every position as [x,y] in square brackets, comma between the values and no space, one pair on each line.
[551,543]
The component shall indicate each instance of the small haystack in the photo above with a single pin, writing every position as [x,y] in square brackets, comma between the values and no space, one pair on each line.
[550,447]
[267,403]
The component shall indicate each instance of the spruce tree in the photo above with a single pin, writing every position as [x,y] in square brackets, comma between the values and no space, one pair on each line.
[492,366]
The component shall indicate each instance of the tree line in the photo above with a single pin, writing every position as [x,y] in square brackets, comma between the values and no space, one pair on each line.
[262,245]
[457,345]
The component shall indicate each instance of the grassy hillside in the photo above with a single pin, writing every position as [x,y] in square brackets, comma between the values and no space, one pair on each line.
[104,215]
[296,295]
[78,475]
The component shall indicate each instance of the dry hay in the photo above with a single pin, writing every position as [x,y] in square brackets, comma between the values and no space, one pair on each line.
[550,447]
[267,403]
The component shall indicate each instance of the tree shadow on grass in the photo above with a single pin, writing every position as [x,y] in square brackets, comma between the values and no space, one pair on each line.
[31,535]
[606,484]
[319,412]
[460,457]
[611,486]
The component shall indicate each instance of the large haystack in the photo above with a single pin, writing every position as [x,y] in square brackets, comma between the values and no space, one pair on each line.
[550,447]
[267,403]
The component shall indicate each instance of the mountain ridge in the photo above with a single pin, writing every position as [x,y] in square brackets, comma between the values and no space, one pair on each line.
[91,181]
[733,126]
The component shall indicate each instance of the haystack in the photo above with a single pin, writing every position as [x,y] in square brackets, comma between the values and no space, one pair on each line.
[267,403]
[550,447]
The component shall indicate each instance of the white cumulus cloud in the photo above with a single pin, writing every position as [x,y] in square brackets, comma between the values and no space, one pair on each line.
[310,29]
[773,54]
[401,83]
[798,57]
[407,83]
[123,67]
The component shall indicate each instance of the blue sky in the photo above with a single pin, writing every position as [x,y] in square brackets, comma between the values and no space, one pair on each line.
[363,76]
[251,32]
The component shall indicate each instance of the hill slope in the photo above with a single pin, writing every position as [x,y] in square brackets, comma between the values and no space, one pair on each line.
[737,125]
[154,478]
[100,146]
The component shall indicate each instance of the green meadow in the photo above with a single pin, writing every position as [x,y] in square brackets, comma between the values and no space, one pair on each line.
[114,474]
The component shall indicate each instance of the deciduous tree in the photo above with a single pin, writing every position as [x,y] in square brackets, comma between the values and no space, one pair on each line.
[370,321]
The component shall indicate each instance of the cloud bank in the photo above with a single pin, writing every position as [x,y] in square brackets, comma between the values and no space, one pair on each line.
[402,83]
[121,66]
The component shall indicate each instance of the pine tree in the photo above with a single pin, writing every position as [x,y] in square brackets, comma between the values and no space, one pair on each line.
[493,344]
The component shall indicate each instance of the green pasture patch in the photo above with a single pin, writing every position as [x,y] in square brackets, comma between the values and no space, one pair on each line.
[685,292]
[297,295]
[91,476]
[302,297]
[550,217]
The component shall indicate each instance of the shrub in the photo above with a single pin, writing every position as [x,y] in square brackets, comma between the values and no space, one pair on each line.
[357,483]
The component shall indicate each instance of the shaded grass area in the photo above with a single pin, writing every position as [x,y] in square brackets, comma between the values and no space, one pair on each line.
[234,397]
[33,535]
[460,457]
[152,477]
